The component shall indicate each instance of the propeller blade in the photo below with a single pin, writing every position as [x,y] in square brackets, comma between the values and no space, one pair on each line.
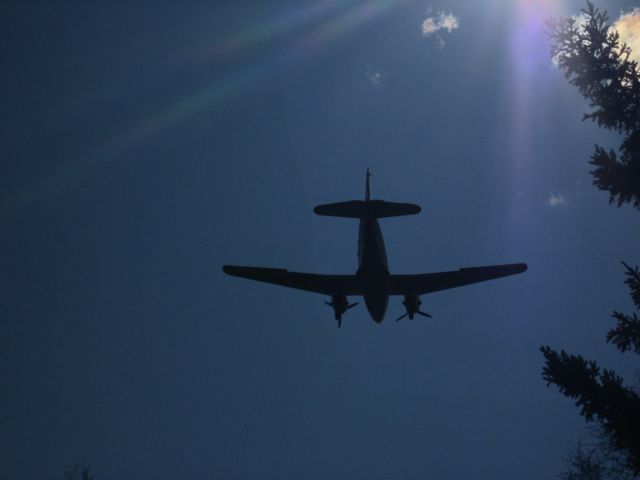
[424,314]
[352,305]
[400,318]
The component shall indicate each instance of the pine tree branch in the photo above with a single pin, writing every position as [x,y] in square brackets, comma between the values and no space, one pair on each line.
[602,397]
[593,59]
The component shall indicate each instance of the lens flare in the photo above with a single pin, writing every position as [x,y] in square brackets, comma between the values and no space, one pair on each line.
[305,30]
[310,39]
[529,74]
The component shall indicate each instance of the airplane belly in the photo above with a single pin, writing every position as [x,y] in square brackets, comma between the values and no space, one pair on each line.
[373,269]
[375,295]
[377,306]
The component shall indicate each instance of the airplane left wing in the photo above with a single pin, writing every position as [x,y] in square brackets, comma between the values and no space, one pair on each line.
[312,282]
[433,282]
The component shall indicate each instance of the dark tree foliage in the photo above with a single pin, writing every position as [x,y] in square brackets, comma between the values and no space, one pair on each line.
[594,60]
[626,335]
[595,459]
[78,472]
[584,465]
[601,394]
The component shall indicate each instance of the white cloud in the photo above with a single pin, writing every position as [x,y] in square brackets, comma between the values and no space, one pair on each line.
[441,21]
[373,75]
[628,26]
[557,200]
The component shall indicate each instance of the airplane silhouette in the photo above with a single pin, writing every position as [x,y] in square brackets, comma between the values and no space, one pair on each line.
[372,279]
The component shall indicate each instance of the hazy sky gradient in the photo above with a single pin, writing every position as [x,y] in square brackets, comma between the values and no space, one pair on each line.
[146,145]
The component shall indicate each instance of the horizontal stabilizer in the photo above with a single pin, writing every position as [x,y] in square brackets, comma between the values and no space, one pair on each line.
[382,209]
[370,209]
[352,209]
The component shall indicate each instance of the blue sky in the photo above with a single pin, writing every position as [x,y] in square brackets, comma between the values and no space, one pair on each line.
[144,146]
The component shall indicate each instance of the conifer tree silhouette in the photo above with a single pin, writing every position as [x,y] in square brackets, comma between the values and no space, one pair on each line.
[594,60]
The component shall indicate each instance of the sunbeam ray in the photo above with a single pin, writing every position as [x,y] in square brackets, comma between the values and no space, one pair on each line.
[312,28]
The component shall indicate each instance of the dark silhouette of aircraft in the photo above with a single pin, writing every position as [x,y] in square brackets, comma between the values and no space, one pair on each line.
[373,280]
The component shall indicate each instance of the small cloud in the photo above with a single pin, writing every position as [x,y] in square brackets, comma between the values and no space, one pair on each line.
[373,75]
[441,21]
[628,27]
[438,22]
[557,200]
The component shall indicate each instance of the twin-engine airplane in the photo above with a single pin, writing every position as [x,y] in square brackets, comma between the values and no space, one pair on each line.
[373,280]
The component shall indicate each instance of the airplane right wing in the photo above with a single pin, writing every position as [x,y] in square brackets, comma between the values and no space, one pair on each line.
[312,282]
[433,282]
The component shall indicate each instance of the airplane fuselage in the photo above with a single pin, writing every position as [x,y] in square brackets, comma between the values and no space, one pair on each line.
[373,268]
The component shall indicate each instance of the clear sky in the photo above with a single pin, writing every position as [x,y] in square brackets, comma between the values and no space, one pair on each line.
[146,145]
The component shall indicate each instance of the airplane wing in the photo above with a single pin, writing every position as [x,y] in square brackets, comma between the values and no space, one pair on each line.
[433,282]
[327,284]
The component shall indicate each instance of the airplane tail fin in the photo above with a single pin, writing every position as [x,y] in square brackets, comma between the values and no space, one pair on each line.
[367,195]
[369,208]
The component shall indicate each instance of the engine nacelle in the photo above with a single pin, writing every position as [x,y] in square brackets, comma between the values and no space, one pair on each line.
[340,305]
[412,304]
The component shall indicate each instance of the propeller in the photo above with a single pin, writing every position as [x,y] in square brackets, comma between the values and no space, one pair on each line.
[412,304]
[351,305]
[340,305]
[424,314]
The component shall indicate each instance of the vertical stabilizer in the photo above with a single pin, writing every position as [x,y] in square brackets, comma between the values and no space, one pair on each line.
[368,190]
